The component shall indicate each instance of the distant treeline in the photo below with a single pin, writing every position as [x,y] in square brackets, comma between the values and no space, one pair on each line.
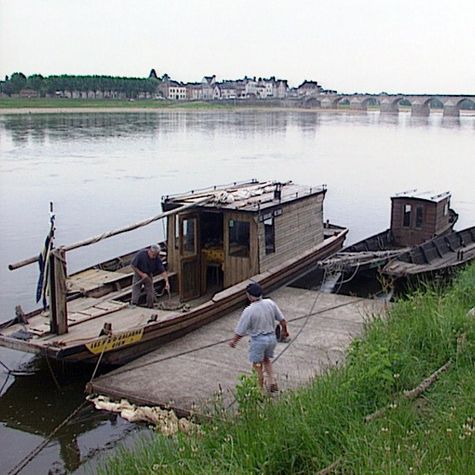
[64,84]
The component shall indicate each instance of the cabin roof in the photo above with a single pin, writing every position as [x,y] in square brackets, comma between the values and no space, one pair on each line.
[435,197]
[250,196]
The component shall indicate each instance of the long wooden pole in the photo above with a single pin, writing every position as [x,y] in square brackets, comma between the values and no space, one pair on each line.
[100,237]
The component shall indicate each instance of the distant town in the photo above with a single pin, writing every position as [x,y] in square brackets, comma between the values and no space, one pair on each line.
[155,87]
[246,88]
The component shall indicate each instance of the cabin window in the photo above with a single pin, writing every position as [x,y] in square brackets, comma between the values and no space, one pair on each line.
[446,208]
[269,234]
[406,221]
[419,216]
[239,238]
[189,236]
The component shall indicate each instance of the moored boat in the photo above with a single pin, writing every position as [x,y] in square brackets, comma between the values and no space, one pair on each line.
[416,217]
[218,239]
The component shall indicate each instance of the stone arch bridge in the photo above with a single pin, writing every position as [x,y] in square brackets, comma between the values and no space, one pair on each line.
[389,103]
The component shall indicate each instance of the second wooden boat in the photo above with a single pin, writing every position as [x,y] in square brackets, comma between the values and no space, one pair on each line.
[416,217]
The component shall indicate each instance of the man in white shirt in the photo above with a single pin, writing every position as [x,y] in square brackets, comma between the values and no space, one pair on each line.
[258,321]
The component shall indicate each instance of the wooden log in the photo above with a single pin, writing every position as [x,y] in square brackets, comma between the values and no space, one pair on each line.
[416,392]
[413,393]
[331,468]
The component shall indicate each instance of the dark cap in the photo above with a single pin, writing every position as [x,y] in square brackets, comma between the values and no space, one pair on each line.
[254,289]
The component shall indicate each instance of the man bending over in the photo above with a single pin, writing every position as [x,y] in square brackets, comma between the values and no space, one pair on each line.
[145,264]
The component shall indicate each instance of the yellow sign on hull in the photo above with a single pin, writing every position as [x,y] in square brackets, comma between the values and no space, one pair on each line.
[109,343]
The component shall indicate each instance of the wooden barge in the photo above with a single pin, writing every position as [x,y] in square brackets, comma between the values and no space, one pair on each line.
[416,217]
[218,239]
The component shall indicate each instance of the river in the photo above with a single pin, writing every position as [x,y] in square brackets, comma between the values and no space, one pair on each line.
[103,171]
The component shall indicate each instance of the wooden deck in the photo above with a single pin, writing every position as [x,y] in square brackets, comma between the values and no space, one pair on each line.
[188,373]
[93,279]
[86,318]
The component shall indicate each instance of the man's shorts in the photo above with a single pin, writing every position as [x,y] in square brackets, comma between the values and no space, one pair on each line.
[262,346]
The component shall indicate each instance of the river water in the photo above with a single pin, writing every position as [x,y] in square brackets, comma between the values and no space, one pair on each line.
[103,171]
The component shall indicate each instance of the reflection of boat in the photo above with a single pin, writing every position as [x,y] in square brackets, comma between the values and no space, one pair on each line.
[415,218]
[34,405]
[442,253]
[217,239]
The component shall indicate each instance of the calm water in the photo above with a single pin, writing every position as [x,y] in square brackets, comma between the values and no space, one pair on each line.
[104,171]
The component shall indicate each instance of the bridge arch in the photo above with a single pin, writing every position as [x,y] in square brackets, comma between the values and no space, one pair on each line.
[420,105]
[466,101]
[452,106]
[331,102]
[312,102]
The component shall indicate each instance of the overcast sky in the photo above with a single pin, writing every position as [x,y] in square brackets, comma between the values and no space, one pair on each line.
[423,46]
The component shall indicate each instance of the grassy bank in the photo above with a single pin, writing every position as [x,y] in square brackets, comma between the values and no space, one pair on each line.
[56,103]
[324,424]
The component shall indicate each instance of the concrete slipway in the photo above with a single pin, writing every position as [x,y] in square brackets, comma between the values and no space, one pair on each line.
[188,373]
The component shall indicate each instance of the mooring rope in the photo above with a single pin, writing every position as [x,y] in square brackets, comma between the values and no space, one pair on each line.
[310,313]
[5,382]
[5,366]
[100,358]
[52,372]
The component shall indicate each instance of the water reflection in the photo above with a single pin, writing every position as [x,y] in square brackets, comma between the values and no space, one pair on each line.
[450,122]
[34,405]
[388,119]
[43,128]
[415,121]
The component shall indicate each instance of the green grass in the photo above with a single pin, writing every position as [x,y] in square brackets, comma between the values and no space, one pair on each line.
[53,103]
[309,429]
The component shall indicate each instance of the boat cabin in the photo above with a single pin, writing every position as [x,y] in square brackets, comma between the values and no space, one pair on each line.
[243,230]
[419,216]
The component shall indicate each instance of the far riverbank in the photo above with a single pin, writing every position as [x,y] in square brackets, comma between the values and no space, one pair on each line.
[202,107]
[71,110]
[67,106]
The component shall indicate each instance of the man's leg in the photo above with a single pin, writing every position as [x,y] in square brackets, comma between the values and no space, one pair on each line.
[148,284]
[260,374]
[136,284]
[267,363]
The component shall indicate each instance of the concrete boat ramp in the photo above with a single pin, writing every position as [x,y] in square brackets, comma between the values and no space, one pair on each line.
[188,374]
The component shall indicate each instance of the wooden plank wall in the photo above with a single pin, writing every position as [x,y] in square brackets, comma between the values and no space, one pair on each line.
[299,228]
[434,221]
[237,269]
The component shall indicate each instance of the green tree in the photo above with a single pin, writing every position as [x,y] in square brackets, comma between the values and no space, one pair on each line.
[37,83]
[18,82]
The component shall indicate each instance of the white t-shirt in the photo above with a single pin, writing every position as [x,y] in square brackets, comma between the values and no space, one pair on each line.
[259,318]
